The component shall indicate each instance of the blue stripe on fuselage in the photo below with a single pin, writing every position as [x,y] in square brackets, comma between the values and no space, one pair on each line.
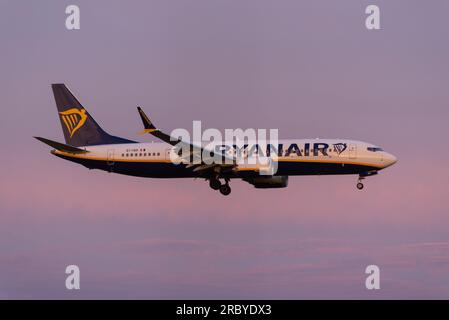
[155,169]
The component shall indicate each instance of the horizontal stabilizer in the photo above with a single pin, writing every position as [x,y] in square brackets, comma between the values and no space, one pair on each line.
[61,146]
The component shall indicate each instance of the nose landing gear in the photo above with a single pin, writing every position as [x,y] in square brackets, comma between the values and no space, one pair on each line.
[363,176]
[359,183]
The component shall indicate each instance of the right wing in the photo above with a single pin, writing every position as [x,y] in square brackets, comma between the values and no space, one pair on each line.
[195,150]
[227,164]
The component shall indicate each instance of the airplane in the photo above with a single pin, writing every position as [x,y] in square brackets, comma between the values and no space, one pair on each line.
[86,143]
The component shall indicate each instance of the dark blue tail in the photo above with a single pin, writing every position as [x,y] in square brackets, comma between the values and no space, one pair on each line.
[79,128]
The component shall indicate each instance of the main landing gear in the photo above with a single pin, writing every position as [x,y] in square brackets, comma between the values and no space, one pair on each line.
[224,188]
[215,184]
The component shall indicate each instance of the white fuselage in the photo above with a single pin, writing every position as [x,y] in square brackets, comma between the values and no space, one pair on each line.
[295,157]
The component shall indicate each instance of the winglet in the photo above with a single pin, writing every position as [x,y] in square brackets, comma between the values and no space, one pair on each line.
[147,124]
[151,129]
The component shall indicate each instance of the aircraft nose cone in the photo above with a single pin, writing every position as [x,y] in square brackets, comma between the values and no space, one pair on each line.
[390,159]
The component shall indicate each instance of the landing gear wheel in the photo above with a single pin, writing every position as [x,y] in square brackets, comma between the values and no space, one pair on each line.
[215,184]
[225,189]
[360,186]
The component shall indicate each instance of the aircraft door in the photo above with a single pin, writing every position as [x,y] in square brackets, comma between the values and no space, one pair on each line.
[167,154]
[352,151]
[110,157]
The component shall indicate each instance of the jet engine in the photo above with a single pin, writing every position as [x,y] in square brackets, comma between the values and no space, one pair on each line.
[264,182]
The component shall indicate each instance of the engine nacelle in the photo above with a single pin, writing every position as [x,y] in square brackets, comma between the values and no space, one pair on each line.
[268,181]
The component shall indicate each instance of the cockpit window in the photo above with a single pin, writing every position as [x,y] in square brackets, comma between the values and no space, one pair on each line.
[374,149]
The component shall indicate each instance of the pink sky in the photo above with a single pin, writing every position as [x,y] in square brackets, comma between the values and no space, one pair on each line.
[308,68]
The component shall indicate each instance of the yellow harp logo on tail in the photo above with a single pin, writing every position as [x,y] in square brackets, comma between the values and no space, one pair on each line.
[73,119]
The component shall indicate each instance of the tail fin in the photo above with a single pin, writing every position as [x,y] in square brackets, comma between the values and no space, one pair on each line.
[79,128]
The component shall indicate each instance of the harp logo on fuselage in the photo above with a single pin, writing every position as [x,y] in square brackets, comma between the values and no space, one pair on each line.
[339,147]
